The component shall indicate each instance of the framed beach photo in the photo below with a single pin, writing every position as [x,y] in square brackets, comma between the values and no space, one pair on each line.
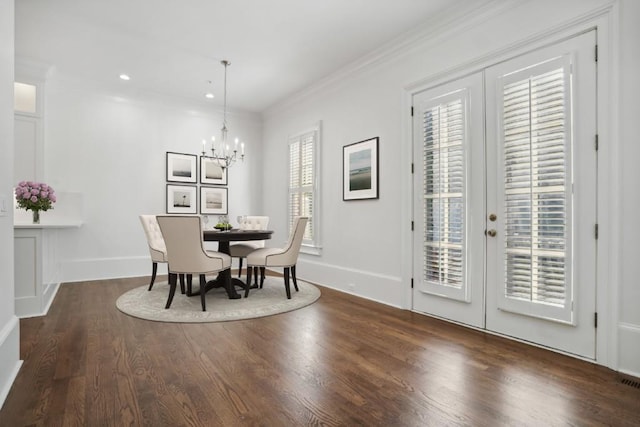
[182,199]
[213,201]
[360,170]
[182,167]
[211,172]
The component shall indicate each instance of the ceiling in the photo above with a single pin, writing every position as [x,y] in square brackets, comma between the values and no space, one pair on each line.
[276,47]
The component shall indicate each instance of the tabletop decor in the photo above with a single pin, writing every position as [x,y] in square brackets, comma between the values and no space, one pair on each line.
[223,223]
[360,170]
[36,197]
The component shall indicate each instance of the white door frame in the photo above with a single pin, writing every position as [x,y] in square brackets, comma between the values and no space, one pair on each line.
[608,264]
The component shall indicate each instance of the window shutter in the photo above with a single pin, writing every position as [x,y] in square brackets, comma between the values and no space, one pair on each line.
[301,180]
[536,194]
[444,186]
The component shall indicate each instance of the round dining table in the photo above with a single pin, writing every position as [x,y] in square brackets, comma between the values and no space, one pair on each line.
[224,238]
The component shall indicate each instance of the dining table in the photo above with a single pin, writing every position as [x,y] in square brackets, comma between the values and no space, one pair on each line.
[224,238]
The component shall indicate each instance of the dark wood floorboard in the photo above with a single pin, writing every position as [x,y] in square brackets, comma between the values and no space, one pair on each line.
[342,361]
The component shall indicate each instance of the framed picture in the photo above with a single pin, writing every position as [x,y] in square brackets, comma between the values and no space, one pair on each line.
[211,172]
[360,170]
[213,201]
[182,167]
[182,199]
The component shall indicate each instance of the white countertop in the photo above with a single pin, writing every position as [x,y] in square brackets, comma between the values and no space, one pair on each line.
[62,223]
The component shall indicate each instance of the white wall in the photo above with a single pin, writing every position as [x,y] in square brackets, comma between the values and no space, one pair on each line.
[109,145]
[365,242]
[9,326]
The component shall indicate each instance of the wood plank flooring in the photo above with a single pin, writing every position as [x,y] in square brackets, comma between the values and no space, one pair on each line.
[343,361]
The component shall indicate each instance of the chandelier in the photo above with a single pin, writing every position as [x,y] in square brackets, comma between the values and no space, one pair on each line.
[223,155]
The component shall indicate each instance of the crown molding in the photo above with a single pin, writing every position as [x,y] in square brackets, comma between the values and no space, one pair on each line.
[559,31]
[428,33]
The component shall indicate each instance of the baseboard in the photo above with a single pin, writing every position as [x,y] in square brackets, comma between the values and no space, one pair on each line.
[36,306]
[629,349]
[373,286]
[108,268]
[48,295]
[9,356]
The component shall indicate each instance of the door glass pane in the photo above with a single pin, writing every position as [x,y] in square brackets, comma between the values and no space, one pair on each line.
[443,190]
[535,152]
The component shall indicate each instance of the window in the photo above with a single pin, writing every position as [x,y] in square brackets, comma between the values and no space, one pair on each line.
[303,185]
[25,97]
[444,190]
[536,153]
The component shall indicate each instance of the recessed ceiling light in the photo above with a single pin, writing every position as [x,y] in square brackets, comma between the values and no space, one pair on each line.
[208,95]
[125,77]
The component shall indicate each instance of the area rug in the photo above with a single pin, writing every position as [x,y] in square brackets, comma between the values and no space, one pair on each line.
[269,300]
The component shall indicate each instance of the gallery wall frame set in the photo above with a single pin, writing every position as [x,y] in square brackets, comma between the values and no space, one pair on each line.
[182,167]
[214,200]
[182,199]
[360,170]
[211,173]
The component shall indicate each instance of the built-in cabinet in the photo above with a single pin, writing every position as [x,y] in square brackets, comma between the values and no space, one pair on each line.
[37,267]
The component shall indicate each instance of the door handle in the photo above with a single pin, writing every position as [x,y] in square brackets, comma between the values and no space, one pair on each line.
[493,217]
[492,233]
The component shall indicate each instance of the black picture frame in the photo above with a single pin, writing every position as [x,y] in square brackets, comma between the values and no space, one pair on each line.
[360,176]
[211,173]
[182,199]
[214,200]
[182,167]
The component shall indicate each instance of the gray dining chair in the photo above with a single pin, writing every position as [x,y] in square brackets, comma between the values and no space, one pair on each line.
[186,253]
[285,257]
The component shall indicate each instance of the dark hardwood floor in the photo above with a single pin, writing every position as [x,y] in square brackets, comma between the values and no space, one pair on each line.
[343,361]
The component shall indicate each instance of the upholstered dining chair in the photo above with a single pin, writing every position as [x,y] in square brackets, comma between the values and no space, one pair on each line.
[240,250]
[186,254]
[286,257]
[157,249]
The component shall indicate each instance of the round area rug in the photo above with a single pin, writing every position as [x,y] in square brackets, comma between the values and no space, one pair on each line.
[271,299]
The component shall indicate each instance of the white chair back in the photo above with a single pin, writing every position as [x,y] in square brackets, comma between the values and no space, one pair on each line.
[157,248]
[292,247]
[255,223]
[185,252]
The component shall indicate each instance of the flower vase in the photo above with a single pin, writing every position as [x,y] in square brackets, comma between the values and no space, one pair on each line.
[36,217]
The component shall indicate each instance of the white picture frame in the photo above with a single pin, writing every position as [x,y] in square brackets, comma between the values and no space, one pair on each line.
[360,170]
[182,199]
[211,173]
[214,200]
[182,167]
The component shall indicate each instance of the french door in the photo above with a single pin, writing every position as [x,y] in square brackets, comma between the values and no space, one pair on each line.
[505,198]
[449,203]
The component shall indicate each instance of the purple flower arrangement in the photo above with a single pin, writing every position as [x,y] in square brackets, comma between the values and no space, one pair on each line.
[35,196]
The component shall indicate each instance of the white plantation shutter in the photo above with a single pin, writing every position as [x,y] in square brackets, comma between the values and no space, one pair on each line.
[537,186]
[303,182]
[444,194]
